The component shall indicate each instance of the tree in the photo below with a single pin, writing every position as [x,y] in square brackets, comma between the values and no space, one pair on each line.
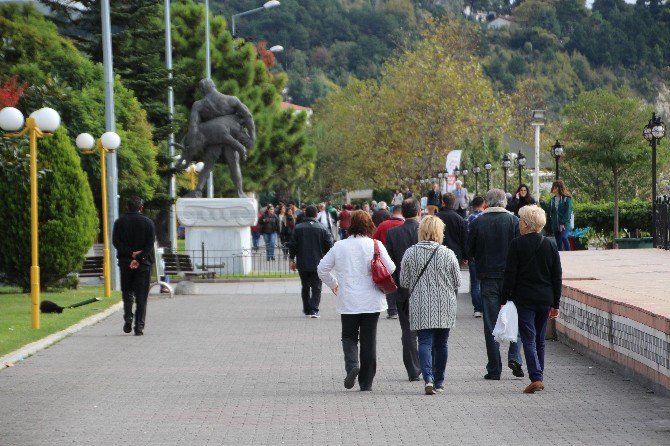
[67,219]
[603,128]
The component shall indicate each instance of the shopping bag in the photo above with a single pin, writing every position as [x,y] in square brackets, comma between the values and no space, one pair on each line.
[507,325]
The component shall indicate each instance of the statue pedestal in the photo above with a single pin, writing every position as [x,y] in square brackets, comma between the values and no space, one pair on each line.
[224,226]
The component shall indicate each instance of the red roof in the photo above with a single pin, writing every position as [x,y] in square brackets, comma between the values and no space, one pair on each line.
[287,105]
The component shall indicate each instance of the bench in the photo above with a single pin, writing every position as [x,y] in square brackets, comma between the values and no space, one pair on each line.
[181,264]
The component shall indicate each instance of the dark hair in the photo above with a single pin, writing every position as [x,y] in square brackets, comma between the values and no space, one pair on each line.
[134,204]
[449,199]
[477,202]
[410,207]
[528,199]
[361,224]
[562,188]
[311,212]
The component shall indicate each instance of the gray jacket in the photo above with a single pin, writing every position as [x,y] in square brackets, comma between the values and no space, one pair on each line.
[462,200]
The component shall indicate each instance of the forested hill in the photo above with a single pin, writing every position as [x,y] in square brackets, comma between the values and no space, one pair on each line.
[556,48]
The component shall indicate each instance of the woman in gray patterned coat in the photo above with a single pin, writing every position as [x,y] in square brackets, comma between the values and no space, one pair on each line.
[432,274]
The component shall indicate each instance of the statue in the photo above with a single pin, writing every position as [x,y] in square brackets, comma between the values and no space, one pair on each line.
[221,127]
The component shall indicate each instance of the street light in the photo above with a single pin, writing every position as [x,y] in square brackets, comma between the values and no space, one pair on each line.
[276,49]
[107,143]
[457,172]
[267,5]
[464,172]
[476,171]
[653,132]
[506,163]
[520,162]
[537,122]
[193,170]
[557,151]
[488,166]
[39,124]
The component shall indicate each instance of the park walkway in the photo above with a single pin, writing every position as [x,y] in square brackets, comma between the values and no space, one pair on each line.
[239,365]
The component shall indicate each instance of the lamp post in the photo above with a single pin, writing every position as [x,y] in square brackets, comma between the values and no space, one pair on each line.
[476,171]
[506,164]
[457,172]
[520,162]
[537,122]
[107,143]
[192,171]
[464,172]
[557,150]
[653,132]
[488,166]
[267,5]
[41,123]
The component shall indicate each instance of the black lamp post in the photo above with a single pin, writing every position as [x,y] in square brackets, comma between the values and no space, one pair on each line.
[457,172]
[506,163]
[520,162]
[557,150]
[653,132]
[487,166]
[476,171]
[464,172]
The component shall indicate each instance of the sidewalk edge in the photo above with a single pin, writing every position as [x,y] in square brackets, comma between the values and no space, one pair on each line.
[34,347]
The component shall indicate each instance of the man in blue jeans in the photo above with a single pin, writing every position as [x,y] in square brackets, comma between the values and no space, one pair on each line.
[475,293]
[489,237]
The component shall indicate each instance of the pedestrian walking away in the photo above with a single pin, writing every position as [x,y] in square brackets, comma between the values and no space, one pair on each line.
[398,240]
[432,274]
[455,231]
[488,242]
[380,234]
[309,242]
[358,300]
[345,220]
[326,219]
[533,282]
[475,290]
[133,236]
[381,214]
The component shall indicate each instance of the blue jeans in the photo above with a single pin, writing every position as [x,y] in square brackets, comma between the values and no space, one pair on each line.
[562,242]
[433,353]
[491,291]
[532,329]
[475,291]
[343,234]
[270,243]
[255,239]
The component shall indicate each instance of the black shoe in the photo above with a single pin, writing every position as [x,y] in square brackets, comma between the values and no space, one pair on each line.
[415,378]
[127,327]
[516,369]
[491,377]
[350,380]
[366,388]
[139,332]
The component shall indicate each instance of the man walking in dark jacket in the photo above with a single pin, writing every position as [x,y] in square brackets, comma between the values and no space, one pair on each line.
[398,240]
[309,243]
[133,237]
[489,238]
[455,230]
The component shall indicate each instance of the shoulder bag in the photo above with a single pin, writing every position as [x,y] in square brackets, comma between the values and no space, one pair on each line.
[424,269]
[380,275]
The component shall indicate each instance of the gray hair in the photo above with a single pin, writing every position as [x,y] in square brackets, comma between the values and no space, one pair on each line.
[496,198]
[382,205]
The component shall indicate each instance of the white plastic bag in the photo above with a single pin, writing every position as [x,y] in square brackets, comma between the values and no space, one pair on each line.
[507,325]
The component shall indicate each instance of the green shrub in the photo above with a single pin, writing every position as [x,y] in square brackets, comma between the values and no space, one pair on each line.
[634,214]
[66,214]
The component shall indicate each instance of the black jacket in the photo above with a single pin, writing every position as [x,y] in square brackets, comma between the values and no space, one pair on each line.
[434,198]
[134,232]
[455,232]
[516,203]
[268,224]
[398,240]
[533,273]
[489,237]
[310,241]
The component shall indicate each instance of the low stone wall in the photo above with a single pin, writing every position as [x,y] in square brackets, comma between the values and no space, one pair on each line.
[634,341]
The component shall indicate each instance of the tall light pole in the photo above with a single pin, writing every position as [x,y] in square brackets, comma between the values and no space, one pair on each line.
[506,163]
[464,172]
[520,162]
[653,132]
[110,126]
[537,122]
[557,151]
[476,171]
[41,123]
[172,230]
[267,5]
[208,75]
[488,166]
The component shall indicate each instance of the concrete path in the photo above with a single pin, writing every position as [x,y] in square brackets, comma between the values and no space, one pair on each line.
[241,366]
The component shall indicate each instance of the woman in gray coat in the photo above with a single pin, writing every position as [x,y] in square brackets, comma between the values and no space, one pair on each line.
[432,274]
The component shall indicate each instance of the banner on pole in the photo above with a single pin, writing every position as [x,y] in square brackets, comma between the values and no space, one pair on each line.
[453,161]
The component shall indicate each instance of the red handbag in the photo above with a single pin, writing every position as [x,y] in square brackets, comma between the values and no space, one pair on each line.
[380,275]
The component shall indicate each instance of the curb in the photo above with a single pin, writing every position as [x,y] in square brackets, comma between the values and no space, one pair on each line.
[18,355]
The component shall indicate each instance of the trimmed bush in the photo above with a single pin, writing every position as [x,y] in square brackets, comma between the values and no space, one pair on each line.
[67,216]
[634,214]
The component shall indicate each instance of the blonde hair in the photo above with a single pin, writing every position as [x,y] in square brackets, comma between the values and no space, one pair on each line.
[432,229]
[534,217]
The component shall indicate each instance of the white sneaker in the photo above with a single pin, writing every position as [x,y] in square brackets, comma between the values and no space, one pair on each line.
[477,314]
[315,315]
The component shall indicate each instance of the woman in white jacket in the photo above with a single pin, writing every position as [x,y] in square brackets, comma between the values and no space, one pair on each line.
[359,301]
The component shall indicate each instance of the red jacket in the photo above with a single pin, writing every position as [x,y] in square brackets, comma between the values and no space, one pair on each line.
[380,233]
[345,219]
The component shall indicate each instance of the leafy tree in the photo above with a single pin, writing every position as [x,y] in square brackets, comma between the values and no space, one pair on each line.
[67,219]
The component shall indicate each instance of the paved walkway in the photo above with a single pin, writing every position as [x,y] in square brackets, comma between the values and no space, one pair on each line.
[240,366]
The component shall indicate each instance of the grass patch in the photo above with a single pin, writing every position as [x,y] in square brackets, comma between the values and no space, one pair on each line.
[15,314]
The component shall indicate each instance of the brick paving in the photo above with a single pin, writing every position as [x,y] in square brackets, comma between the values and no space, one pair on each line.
[238,365]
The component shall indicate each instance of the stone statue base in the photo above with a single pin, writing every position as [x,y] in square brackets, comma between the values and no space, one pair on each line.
[218,233]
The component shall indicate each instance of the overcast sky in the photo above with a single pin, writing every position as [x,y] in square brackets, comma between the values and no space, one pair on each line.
[590,2]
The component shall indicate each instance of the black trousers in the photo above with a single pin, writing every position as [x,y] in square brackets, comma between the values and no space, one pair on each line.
[363,326]
[410,351]
[135,288]
[310,282]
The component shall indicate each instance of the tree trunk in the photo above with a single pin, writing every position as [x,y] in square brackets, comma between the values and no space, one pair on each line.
[616,207]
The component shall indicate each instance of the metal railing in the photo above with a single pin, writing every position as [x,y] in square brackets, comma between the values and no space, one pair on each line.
[662,222]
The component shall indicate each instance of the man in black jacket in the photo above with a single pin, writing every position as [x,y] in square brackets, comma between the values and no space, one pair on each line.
[309,243]
[489,238]
[433,200]
[455,231]
[398,240]
[133,237]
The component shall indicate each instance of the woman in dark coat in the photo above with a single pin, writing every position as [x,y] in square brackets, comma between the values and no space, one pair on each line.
[521,199]
[287,230]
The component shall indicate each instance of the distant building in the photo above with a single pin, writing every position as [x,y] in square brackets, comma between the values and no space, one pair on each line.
[502,21]
[296,107]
